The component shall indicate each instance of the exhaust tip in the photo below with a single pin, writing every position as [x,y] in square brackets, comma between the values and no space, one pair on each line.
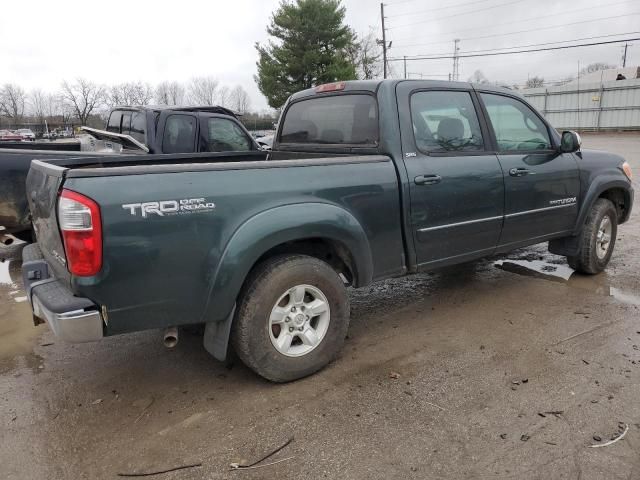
[171,337]
[6,240]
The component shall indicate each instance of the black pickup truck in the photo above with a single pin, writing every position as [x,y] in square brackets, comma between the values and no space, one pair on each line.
[129,130]
[367,180]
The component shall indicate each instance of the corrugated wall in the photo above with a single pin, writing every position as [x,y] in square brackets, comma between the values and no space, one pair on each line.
[607,106]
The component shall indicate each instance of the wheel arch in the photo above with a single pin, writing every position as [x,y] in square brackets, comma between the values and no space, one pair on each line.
[614,189]
[325,231]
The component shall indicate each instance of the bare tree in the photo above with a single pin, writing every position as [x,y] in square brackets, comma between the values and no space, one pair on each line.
[38,104]
[367,58]
[170,93]
[534,82]
[12,101]
[54,105]
[478,77]
[239,99]
[130,93]
[84,97]
[203,91]
[224,95]
[596,67]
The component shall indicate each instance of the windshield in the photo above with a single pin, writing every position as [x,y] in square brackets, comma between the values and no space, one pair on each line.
[340,119]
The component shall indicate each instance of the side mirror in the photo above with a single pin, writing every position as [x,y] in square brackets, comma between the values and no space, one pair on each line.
[570,142]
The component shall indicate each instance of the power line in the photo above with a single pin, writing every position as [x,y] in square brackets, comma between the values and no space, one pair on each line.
[436,9]
[528,20]
[455,15]
[519,51]
[519,31]
[400,2]
[540,44]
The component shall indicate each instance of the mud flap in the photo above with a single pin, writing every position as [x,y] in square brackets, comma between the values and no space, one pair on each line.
[216,336]
[566,246]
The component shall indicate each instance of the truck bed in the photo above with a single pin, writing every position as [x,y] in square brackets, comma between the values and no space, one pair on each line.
[14,165]
[184,267]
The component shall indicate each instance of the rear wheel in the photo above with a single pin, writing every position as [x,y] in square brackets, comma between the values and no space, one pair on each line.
[597,239]
[292,318]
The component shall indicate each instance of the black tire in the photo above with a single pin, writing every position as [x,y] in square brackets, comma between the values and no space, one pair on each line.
[250,335]
[588,261]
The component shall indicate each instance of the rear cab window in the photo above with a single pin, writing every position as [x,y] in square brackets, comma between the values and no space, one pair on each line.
[347,119]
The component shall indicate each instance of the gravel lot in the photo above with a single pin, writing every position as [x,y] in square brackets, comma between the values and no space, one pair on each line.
[472,372]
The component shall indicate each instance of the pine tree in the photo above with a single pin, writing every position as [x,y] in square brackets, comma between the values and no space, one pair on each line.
[309,47]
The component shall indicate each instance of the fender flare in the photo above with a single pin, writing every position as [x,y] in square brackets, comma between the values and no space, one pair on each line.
[276,226]
[600,185]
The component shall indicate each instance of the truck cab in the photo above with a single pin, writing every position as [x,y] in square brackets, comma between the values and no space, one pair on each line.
[172,129]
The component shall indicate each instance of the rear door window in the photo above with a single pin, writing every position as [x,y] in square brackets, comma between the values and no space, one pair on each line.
[179,133]
[223,135]
[350,119]
[445,121]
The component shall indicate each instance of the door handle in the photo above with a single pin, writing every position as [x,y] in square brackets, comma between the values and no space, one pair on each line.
[520,172]
[427,179]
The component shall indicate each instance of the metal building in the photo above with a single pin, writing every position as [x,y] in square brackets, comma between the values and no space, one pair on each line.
[613,105]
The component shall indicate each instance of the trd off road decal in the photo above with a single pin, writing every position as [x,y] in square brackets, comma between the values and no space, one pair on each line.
[170,207]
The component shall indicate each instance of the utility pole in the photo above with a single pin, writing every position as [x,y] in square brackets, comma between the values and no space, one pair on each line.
[405,66]
[624,56]
[456,60]
[383,42]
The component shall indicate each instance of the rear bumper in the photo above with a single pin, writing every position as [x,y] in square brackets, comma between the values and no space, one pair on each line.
[72,319]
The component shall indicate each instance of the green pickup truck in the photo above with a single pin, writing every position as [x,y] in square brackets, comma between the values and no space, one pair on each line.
[366,180]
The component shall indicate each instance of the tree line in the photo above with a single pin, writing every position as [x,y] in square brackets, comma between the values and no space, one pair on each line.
[537,81]
[81,98]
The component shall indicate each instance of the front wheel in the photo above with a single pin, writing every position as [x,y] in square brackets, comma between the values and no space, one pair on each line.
[292,318]
[597,239]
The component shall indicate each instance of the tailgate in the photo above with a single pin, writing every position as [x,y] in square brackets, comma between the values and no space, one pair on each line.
[44,183]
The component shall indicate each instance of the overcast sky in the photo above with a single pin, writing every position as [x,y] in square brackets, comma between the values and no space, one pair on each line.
[45,42]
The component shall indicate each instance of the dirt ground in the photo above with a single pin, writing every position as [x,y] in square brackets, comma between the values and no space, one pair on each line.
[502,373]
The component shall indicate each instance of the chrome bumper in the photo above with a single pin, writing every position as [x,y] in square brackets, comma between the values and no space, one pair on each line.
[72,319]
[74,326]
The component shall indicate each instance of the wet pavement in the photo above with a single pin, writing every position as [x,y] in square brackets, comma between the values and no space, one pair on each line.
[499,369]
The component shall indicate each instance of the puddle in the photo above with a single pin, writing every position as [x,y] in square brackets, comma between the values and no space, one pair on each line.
[17,331]
[624,297]
[5,276]
[555,271]
[536,268]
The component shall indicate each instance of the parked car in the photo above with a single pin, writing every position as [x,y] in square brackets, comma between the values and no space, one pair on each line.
[26,134]
[138,130]
[265,142]
[9,136]
[367,180]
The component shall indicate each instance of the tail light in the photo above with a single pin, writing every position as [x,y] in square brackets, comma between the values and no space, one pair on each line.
[81,227]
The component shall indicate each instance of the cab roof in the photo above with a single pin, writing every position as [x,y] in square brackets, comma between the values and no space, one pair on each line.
[374,85]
